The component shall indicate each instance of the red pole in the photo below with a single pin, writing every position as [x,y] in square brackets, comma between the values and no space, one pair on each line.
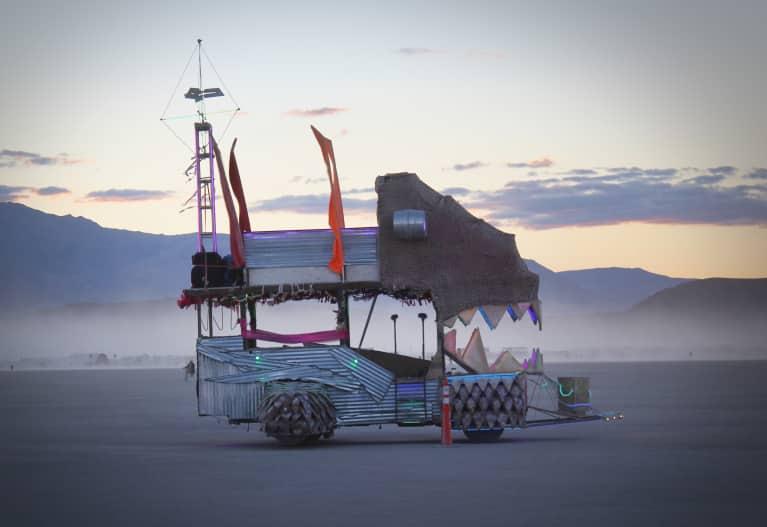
[447,435]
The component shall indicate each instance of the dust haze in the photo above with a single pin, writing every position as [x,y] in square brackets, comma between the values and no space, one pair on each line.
[158,334]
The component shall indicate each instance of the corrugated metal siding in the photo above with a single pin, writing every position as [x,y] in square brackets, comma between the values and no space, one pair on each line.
[374,378]
[306,248]
[231,380]
[236,401]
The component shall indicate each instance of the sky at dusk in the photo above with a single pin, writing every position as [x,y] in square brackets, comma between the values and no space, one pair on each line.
[602,134]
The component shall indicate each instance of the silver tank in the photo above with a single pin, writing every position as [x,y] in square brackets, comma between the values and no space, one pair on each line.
[409,224]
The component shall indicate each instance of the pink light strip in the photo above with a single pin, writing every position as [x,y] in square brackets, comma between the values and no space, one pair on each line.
[212,190]
[298,338]
[199,194]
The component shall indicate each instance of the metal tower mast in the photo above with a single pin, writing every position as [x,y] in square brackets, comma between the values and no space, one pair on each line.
[205,176]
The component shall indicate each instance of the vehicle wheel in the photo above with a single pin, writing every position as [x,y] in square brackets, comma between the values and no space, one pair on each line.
[483,436]
[290,440]
[293,414]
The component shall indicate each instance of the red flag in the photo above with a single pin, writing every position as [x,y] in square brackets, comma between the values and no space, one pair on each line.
[235,234]
[239,194]
[336,206]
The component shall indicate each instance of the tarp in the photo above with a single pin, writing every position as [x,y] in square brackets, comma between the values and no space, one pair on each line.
[464,262]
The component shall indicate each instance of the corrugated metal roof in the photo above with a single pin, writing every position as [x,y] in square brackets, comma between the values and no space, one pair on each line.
[306,248]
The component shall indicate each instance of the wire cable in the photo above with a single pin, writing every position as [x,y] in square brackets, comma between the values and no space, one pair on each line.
[178,83]
[219,78]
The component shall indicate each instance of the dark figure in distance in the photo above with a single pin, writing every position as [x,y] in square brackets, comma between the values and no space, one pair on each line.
[189,370]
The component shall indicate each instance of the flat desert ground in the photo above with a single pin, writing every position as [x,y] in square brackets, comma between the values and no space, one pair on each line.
[125,447]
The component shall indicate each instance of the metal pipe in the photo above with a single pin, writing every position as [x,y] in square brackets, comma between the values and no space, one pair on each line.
[422,316]
[199,189]
[212,189]
[367,321]
[394,321]
[210,317]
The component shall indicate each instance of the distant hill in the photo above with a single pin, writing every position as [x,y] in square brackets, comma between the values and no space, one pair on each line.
[51,260]
[597,290]
[616,288]
[118,288]
[55,260]
[558,293]
[712,297]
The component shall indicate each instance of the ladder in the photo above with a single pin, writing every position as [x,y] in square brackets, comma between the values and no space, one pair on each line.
[206,188]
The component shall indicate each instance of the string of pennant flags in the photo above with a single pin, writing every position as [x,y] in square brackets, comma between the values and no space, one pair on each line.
[493,314]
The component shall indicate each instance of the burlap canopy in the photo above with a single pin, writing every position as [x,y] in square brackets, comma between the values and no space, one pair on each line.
[464,261]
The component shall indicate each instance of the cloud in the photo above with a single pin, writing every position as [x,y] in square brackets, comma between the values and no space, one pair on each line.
[758,173]
[625,195]
[51,191]
[308,180]
[723,170]
[9,193]
[543,162]
[310,204]
[631,173]
[123,195]
[458,167]
[315,112]
[13,158]
[415,51]
[456,191]
[705,180]
[589,197]
[366,190]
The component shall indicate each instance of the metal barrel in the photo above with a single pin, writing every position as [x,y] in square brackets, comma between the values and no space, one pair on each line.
[409,224]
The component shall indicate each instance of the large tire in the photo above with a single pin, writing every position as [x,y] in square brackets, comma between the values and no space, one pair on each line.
[483,436]
[294,413]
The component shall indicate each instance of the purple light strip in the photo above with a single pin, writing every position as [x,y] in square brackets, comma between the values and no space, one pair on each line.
[212,190]
[532,315]
[359,231]
[199,193]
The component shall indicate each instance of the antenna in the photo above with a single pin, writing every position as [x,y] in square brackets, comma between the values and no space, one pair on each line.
[203,149]
[203,143]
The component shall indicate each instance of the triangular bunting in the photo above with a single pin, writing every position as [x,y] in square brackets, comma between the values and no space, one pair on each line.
[521,308]
[450,322]
[536,312]
[512,314]
[467,315]
[492,315]
[474,353]
[506,363]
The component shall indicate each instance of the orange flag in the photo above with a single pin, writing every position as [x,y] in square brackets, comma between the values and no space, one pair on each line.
[336,206]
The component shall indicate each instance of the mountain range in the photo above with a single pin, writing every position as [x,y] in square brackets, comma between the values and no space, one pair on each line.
[51,260]
[72,286]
